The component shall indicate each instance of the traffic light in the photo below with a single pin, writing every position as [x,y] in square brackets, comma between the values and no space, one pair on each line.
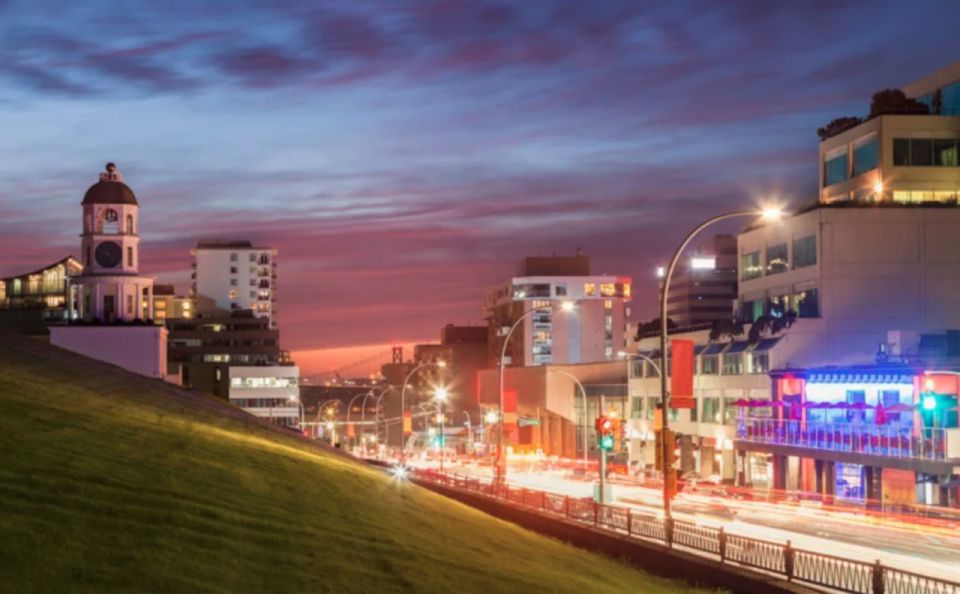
[605,439]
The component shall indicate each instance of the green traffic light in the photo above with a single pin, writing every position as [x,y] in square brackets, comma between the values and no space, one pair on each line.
[929,402]
[606,443]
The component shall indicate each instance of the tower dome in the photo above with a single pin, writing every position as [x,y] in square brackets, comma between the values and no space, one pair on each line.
[110,189]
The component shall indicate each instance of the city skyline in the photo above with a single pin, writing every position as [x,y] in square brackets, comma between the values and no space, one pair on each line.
[465,143]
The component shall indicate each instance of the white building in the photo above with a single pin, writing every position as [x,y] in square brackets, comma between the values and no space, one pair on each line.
[268,391]
[232,275]
[593,332]
[866,270]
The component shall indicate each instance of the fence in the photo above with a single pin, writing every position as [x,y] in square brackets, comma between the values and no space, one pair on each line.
[782,559]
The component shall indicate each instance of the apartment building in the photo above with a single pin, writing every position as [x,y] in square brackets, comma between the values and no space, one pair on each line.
[235,275]
[705,284]
[593,331]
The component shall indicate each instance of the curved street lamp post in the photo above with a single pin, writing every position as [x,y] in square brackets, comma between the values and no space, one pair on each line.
[767,214]
[501,470]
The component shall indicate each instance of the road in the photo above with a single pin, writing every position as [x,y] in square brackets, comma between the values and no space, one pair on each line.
[932,551]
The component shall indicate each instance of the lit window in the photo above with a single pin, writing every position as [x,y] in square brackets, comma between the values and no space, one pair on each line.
[608,289]
[589,289]
[233,294]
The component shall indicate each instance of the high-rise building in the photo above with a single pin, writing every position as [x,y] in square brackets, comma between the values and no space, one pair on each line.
[704,286]
[235,275]
[594,331]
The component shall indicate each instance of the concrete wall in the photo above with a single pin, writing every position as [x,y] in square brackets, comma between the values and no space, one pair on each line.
[140,349]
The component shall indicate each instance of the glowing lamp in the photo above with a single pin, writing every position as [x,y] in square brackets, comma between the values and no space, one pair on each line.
[441,394]
[878,188]
[567,306]
[771,213]
[929,402]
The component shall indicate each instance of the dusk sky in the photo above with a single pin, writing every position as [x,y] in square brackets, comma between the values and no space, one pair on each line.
[402,156]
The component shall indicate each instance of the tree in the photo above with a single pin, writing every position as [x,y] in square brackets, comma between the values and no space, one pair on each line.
[730,328]
[837,126]
[652,328]
[894,101]
[775,321]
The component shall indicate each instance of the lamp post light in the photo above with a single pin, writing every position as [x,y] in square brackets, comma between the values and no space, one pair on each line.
[768,214]
[501,470]
[441,395]
[363,411]
[349,408]
[403,390]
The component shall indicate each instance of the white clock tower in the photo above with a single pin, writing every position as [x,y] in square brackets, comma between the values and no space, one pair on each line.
[110,288]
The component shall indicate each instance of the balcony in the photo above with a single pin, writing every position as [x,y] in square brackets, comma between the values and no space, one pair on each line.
[896,441]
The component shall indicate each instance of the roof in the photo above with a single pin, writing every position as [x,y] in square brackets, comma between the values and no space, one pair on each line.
[69,262]
[109,192]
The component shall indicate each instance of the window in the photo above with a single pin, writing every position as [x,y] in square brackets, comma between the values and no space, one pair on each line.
[129,256]
[709,365]
[652,402]
[729,411]
[233,270]
[901,151]
[130,224]
[950,99]
[608,289]
[561,290]
[865,157]
[777,258]
[129,305]
[233,257]
[945,153]
[835,170]
[711,410]
[233,294]
[750,266]
[636,408]
[805,251]
[233,282]
[806,304]
[758,362]
[856,397]
[921,152]
[751,310]
[733,364]
[589,289]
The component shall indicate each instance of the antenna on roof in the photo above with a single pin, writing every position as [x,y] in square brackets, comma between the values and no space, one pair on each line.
[111,174]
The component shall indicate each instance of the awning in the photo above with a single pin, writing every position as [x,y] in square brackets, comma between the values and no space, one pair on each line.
[714,348]
[737,347]
[766,344]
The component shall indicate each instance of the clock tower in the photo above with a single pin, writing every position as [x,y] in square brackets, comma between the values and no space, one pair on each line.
[111,288]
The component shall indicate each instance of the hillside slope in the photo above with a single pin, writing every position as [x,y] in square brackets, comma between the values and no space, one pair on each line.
[114,483]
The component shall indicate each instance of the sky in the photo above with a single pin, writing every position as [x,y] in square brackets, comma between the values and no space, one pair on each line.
[403,156]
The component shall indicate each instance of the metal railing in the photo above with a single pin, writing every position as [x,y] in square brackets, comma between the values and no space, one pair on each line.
[885,440]
[780,559]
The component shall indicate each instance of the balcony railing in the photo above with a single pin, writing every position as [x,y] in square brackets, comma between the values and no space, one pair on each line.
[896,441]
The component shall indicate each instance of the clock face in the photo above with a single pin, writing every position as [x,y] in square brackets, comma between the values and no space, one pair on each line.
[108,254]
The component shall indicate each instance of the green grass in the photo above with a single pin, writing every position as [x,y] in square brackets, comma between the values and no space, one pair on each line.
[114,483]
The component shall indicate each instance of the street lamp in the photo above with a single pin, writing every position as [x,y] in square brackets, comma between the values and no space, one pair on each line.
[441,395]
[403,390]
[767,214]
[566,306]
[363,411]
[349,407]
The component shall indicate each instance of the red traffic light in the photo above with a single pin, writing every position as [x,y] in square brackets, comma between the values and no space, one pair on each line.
[604,425]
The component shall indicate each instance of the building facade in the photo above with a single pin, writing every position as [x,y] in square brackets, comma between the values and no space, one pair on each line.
[235,275]
[594,331]
[270,392]
[704,286]
[45,288]
[168,305]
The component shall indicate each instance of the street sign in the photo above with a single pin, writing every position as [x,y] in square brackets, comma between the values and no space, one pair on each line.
[525,422]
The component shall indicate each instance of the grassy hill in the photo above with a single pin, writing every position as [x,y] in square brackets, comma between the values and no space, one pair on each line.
[114,483]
